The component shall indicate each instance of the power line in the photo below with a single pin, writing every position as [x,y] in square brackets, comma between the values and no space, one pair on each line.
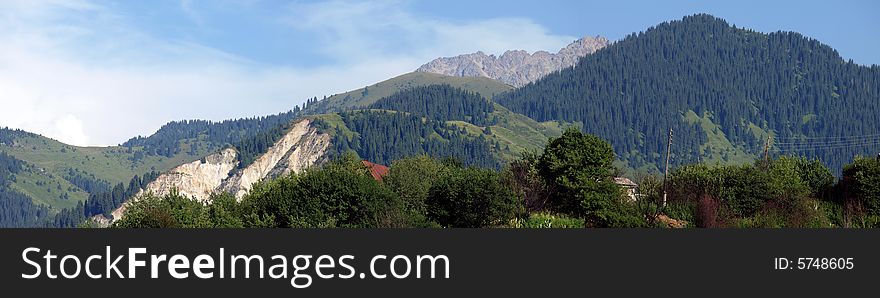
[825,143]
[834,142]
[829,142]
[794,138]
[804,147]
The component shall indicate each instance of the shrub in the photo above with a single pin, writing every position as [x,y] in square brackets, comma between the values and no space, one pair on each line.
[523,175]
[170,211]
[861,183]
[339,195]
[779,194]
[471,198]
[412,178]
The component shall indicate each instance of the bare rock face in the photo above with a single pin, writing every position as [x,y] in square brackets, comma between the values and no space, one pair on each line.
[518,67]
[301,147]
[197,179]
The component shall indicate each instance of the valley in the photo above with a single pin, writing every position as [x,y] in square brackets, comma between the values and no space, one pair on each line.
[699,77]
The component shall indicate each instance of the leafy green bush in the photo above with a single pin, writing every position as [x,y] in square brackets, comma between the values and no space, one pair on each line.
[412,178]
[523,176]
[341,194]
[682,211]
[171,211]
[472,198]
[779,194]
[861,182]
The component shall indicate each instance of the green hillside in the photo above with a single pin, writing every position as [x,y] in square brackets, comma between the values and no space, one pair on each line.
[508,133]
[370,94]
[47,164]
[721,88]
[514,132]
[718,149]
[94,180]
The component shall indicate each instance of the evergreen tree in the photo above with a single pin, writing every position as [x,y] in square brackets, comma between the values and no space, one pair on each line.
[632,92]
[440,102]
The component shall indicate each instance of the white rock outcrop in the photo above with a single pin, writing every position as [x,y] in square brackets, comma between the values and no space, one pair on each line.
[197,179]
[301,147]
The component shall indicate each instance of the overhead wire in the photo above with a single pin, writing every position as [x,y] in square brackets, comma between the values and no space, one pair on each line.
[816,143]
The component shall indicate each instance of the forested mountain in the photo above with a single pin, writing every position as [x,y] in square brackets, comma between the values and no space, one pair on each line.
[365,96]
[440,102]
[721,88]
[385,136]
[62,185]
[100,202]
[209,135]
[16,209]
[463,120]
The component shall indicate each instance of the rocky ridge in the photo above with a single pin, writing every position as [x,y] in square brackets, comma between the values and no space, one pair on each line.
[516,67]
[301,147]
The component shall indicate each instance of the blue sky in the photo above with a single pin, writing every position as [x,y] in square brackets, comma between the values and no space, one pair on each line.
[91,72]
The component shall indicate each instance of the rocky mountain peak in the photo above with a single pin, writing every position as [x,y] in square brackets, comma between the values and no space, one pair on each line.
[515,67]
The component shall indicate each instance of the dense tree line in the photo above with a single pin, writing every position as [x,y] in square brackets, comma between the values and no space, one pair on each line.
[212,135]
[250,148]
[440,102]
[87,182]
[384,136]
[7,135]
[102,203]
[569,184]
[418,191]
[16,209]
[783,193]
[633,91]
[343,194]
[858,193]
[786,192]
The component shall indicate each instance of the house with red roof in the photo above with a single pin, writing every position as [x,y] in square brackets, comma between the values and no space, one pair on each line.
[376,170]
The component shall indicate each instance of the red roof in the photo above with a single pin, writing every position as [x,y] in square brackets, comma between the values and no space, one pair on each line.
[378,171]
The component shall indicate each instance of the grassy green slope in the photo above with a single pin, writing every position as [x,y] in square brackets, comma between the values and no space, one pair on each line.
[46,188]
[515,132]
[370,94]
[718,149]
[49,160]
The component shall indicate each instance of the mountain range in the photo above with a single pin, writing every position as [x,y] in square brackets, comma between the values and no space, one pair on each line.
[516,68]
[723,91]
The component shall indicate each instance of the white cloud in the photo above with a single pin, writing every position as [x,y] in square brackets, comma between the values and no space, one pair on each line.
[71,128]
[369,29]
[79,72]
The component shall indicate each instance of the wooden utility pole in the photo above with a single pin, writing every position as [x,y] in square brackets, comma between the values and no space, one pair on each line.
[767,152]
[666,173]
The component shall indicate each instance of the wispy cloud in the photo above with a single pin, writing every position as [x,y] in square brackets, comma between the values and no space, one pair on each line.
[370,29]
[188,8]
[82,73]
